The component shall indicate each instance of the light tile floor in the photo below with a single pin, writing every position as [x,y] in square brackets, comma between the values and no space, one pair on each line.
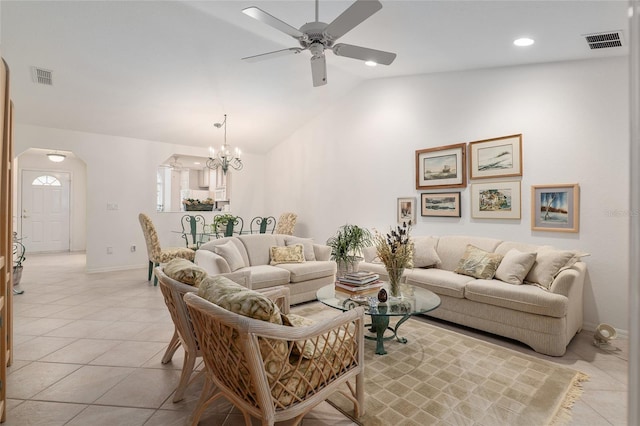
[87,350]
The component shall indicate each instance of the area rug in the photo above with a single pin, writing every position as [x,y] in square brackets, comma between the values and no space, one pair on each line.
[440,377]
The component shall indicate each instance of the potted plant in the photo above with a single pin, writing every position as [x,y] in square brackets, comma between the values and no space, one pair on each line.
[18,258]
[192,204]
[346,246]
[222,222]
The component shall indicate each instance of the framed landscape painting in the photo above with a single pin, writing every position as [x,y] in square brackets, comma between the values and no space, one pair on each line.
[441,167]
[555,207]
[498,157]
[496,200]
[407,210]
[444,204]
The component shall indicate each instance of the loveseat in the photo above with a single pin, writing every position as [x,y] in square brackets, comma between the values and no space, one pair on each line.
[534,295]
[272,260]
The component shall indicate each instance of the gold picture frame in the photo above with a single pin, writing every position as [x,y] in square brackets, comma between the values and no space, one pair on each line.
[496,158]
[442,167]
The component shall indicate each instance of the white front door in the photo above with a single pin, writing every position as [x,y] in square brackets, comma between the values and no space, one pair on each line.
[45,210]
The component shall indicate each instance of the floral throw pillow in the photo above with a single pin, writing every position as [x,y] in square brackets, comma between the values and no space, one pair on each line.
[184,271]
[287,254]
[478,263]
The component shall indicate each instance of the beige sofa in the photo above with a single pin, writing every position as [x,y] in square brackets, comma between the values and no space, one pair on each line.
[544,312]
[253,253]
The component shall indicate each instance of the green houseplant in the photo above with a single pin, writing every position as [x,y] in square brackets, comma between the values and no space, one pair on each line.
[221,223]
[193,204]
[346,246]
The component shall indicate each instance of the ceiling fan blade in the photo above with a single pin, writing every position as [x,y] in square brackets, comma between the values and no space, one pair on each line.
[351,18]
[272,21]
[275,54]
[364,53]
[319,70]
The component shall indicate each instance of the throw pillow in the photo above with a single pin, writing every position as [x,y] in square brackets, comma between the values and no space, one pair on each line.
[229,252]
[424,252]
[549,263]
[238,299]
[307,243]
[184,271]
[515,266]
[287,254]
[478,263]
[306,348]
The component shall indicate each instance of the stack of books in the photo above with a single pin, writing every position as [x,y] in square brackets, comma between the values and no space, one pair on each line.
[360,282]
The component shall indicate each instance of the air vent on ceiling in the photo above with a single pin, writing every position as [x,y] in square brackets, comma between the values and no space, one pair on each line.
[604,40]
[42,76]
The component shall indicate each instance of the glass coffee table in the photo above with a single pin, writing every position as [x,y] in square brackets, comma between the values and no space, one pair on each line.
[414,300]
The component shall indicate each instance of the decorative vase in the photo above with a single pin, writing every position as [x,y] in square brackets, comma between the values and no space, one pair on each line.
[395,275]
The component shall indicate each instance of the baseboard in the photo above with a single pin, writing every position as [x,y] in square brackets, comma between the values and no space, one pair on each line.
[116,268]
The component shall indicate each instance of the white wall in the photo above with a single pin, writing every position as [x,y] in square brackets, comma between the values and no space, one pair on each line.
[122,171]
[351,163]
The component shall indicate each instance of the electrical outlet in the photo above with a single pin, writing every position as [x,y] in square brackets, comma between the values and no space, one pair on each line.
[109,250]
[133,248]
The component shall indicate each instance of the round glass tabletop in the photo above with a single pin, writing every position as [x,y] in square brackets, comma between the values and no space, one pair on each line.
[414,300]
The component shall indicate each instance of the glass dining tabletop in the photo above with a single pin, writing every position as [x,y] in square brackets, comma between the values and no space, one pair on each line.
[414,301]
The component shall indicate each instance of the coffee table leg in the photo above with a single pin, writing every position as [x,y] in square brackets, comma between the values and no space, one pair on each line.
[379,325]
[395,330]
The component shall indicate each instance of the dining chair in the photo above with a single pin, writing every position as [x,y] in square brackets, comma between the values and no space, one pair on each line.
[157,254]
[231,227]
[262,225]
[286,223]
[193,226]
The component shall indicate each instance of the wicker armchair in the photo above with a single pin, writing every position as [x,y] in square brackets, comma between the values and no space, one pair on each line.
[317,360]
[184,335]
[156,254]
[286,223]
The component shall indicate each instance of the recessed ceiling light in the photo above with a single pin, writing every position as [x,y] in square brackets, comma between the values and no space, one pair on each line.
[524,41]
[371,63]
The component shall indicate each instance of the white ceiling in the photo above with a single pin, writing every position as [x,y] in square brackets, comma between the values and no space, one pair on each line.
[168,70]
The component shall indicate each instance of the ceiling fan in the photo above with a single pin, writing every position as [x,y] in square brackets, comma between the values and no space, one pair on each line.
[316,37]
[173,164]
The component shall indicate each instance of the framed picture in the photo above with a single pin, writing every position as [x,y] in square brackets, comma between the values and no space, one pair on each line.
[499,157]
[441,167]
[407,210]
[445,204]
[555,207]
[495,200]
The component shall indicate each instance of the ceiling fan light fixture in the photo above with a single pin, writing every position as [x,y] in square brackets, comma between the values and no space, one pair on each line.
[523,42]
[56,158]
[317,37]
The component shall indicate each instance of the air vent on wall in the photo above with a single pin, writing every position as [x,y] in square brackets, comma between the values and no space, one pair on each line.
[604,40]
[42,76]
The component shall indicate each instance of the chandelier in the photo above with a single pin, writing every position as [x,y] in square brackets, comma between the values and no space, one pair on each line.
[224,157]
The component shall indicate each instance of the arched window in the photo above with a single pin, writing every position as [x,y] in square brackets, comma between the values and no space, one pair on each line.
[46,181]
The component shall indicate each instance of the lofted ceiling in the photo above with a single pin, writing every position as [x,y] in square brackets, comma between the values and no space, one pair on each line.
[167,70]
